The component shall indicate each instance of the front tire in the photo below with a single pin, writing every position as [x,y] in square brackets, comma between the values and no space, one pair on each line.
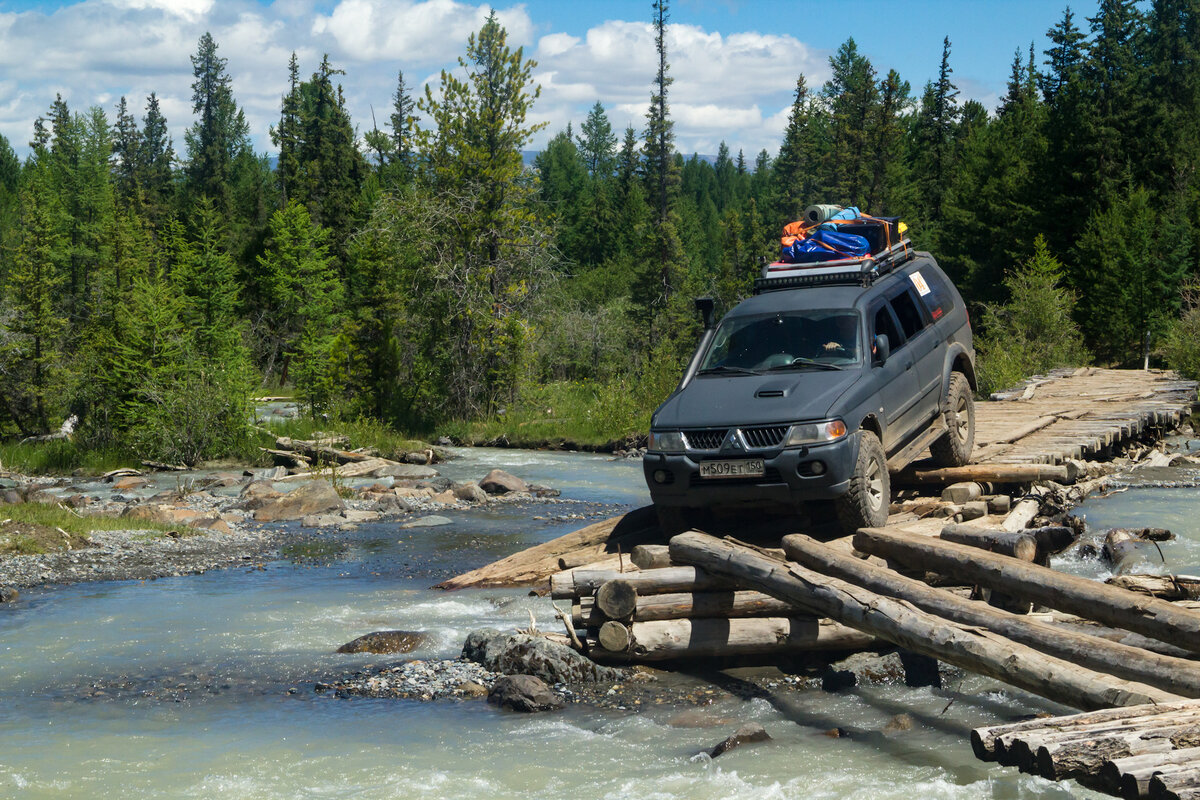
[672,520]
[953,448]
[866,504]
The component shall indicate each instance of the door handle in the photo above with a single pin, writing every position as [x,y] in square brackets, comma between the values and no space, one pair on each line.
[908,366]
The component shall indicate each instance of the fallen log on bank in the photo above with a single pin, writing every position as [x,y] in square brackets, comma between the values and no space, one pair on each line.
[535,565]
[969,647]
[1177,675]
[1090,599]
[321,450]
[666,640]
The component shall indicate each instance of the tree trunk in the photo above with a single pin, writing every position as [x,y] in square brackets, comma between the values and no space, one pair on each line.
[1177,675]
[689,605]
[988,473]
[584,583]
[897,622]
[1015,545]
[664,640]
[1090,599]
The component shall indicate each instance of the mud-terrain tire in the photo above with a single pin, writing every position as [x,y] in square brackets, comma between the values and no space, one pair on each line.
[953,448]
[866,504]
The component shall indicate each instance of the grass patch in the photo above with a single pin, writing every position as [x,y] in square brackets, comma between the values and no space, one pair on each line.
[28,528]
[63,456]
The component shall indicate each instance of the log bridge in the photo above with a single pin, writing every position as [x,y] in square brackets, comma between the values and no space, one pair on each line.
[956,587]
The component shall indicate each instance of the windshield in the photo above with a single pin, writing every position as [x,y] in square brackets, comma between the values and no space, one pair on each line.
[789,339]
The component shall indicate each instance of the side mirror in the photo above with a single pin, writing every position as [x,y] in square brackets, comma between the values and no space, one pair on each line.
[705,306]
[882,349]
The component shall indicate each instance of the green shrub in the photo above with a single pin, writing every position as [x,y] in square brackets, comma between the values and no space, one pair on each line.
[1180,345]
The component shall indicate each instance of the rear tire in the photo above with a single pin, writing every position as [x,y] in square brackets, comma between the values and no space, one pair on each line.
[954,447]
[866,504]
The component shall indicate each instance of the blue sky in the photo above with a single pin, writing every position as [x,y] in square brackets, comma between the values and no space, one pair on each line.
[735,63]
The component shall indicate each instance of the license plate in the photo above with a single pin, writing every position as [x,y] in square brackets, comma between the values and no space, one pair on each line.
[746,468]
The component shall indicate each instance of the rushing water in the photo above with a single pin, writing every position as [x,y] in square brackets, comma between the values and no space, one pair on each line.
[180,687]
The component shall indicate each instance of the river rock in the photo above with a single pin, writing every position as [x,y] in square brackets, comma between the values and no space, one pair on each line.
[131,482]
[519,653]
[438,484]
[470,493]
[274,473]
[431,521]
[747,734]
[210,522]
[321,520]
[12,496]
[8,594]
[256,493]
[500,482]
[472,689]
[523,693]
[421,457]
[391,504]
[386,642]
[863,668]
[314,497]
[404,471]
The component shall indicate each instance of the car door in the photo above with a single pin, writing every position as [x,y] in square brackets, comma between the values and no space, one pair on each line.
[897,381]
[927,350]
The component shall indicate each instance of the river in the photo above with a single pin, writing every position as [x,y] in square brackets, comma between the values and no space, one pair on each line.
[202,686]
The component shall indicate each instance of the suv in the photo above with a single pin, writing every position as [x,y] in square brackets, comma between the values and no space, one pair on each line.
[813,389]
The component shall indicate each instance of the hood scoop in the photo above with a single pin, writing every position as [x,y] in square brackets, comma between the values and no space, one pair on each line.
[771,391]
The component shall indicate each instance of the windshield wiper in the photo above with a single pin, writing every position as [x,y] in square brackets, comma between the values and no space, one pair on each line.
[728,370]
[800,363]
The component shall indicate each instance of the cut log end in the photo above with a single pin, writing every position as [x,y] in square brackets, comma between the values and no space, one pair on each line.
[617,599]
[614,637]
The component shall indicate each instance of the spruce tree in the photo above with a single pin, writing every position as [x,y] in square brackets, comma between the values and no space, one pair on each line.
[935,134]
[219,134]
[287,134]
[797,168]
[403,121]
[127,145]
[155,161]
[852,96]
[597,143]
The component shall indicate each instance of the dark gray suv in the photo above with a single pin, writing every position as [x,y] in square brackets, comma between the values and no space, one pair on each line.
[812,390]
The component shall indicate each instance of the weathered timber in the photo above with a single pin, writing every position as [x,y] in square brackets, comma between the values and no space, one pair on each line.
[1166,587]
[665,640]
[988,473]
[617,599]
[962,492]
[1181,784]
[1126,552]
[287,457]
[689,605]
[985,741]
[584,583]
[1010,543]
[1022,514]
[320,452]
[1176,675]
[536,564]
[650,556]
[1091,599]
[1051,539]
[1082,755]
[969,647]
[1131,774]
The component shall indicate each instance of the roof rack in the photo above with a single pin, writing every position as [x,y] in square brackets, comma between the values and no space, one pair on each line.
[844,271]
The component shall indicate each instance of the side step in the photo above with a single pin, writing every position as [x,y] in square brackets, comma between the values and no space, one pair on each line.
[914,448]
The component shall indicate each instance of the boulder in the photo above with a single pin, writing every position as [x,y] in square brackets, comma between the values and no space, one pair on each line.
[386,642]
[471,689]
[131,482]
[748,733]
[274,473]
[321,520]
[409,491]
[523,693]
[438,484]
[446,498]
[210,522]
[500,482]
[421,457]
[314,497]
[470,493]
[8,594]
[431,521]
[355,516]
[390,504]
[523,654]
[12,496]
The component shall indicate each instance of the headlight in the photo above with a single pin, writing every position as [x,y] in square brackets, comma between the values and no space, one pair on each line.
[816,432]
[666,442]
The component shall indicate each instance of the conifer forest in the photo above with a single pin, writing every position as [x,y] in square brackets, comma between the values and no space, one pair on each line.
[420,272]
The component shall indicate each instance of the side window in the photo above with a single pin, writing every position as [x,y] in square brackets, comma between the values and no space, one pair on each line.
[884,323]
[934,291]
[911,320]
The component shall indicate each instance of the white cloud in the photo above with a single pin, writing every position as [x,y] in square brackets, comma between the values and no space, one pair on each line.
[188,9]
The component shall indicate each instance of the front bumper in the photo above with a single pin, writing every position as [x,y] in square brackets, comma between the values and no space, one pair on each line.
[790,477]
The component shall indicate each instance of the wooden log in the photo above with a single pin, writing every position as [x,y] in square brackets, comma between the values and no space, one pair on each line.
[962,492]
[584,583]
[650,556]
[536,564]
[665,640]
[1081,754]
[1051,539]
[1176,675]
[320,452]
[1149,534]
[286,457]
[1166,587]
[1022,514]
[1091,599]
[985,740]
[1009,543]
[689,605]
[1126,552]
[617,599]
[988,473]
[1131,774]
[1183,784]
[969,647]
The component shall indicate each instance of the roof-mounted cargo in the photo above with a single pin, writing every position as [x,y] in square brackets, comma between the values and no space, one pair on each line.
[845,271]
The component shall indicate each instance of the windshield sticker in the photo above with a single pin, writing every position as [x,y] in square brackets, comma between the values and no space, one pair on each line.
[919,282]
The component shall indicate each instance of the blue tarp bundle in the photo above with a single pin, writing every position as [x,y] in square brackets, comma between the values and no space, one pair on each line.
[826,245]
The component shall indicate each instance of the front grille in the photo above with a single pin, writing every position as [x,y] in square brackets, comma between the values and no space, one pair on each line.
[770,475]
[705,440]
[764,437]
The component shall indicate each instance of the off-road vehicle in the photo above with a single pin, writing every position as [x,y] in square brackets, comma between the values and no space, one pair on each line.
[812,389]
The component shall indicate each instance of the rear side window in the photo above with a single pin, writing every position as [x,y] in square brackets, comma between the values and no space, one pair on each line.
[934,292]
[884,324]
[907,312]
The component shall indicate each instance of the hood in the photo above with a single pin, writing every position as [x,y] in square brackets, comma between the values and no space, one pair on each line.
[720,400]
